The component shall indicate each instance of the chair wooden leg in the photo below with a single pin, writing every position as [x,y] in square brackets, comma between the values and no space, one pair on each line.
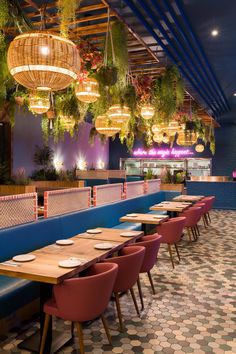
[171,256]
[80,336]
[198,231]
[119,312]
[177,251]
[72,329]
[151,282]
[204,221]
[104,322]
[208,215]
[205,217]
[45,331]
[134,300]
[193,233]
[140,293]
[189,234]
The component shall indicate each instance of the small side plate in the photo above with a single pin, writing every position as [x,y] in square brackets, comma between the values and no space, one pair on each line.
[69,263]
[103,246]
[65,242]
[132,215]
[94,231]
[24,258]
[127,234]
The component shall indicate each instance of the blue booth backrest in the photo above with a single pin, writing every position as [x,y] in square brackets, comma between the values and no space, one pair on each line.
[225,192]
[28,237]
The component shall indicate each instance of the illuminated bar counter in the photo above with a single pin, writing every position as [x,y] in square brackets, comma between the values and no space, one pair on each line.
[224,191]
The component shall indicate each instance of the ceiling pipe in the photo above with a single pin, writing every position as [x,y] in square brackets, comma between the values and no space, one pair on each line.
[139,15]
[180,58]
[194,53]
[206,82]
[199,47]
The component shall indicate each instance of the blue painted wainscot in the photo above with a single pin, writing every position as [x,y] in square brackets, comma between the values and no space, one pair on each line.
[225,192]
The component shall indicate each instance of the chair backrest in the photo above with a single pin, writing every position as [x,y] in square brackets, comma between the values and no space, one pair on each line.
[209,201]
[171,230]
[201,205]
[192,215]
[152,245]
[129,262]
[85,298]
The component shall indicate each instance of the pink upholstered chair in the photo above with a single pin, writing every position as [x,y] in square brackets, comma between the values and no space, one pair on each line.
[152,245]
[192,215]
[203,205]
[129,262]
[209,201]
[82,299]
[171,232]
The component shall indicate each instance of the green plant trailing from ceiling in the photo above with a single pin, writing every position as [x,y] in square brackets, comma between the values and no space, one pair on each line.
[168,93]
[67,12]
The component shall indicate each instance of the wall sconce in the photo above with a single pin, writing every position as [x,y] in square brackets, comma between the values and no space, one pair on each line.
[58,163]
[82,164]
[100,165]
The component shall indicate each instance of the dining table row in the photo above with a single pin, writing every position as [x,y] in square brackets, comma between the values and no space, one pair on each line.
[78,275]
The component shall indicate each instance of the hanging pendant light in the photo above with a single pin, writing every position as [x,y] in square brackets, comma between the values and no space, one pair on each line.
[147,111]
[118,114]
[67,123]
[173,128]
[155,129]
[39,102]
[43,61]
[199,147]
[157,138]
[106,127]
[87,90]
[186,139]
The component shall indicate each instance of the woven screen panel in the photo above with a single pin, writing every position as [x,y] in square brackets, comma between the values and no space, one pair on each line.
[153,185]
[18,209]
[134,189]
[107,193]
[66,201]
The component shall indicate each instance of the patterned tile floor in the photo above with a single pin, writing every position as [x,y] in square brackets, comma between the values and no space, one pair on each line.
[193,311]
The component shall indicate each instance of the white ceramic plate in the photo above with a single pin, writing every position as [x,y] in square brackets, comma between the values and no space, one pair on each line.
[127,234]
[103,246]
[65,242]
[94,231]
[24,258]
[132,215]
[69,263]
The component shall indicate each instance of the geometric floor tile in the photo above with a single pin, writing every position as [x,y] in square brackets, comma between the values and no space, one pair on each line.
[193,310]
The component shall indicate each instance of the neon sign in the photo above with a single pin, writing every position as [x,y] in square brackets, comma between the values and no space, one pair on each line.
[163,153]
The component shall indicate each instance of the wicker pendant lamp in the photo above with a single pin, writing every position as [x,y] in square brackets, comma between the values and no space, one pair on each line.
[87,90]
[106,127]
[118,114]
[199,148]
[39,102]
[147,111]
[158,138]
[43,61]
[67,123]
[186,139]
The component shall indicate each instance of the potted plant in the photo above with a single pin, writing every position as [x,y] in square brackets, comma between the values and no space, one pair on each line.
[170,182]
[18,184]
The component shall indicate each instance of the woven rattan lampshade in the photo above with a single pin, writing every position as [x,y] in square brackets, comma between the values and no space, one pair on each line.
[87,90]
[158,138]
[156,129]
[67,123]
[43,61]
[118,114]
[39,102]
[147,111]
[186,139]
[199,148]
[106,127]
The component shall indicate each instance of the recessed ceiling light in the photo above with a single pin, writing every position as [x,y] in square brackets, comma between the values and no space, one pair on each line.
[214,32]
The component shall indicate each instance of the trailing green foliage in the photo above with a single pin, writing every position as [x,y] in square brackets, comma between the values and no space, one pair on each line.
[67,10]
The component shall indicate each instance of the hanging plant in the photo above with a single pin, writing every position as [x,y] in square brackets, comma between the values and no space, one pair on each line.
[107,75]
[4,13]
[67,12]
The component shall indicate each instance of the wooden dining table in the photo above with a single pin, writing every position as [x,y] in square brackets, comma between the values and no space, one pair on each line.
[172,208]
[45,269]
[145,219]
[188,198]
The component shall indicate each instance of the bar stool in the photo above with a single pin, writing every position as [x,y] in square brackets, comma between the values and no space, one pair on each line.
[82,299]
[129,263]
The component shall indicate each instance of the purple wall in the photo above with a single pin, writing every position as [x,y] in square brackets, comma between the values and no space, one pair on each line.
[27,134]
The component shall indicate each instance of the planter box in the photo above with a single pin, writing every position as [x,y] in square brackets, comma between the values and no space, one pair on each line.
[172,187]
[6,189]
[57,184]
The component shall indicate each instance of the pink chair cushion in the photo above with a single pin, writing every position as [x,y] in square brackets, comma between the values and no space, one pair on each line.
[152,245]
[171,230]
[192,215]
[129,261]
[83,299]
[201,205]
[209,201]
